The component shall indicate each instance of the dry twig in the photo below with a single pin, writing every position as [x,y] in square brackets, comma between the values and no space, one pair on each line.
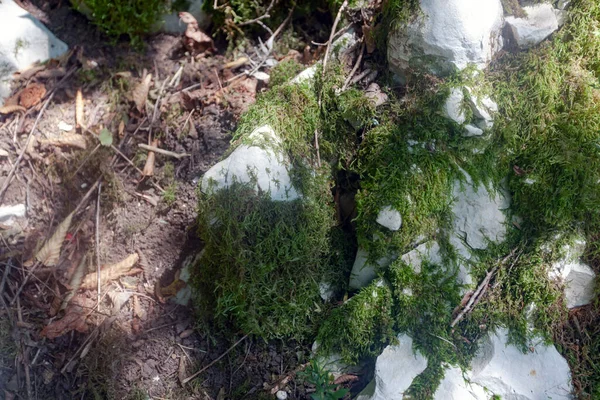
[98,242]
[355,68]
[155,149]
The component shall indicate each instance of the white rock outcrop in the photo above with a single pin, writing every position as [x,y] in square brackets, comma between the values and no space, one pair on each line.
[505,371]
[260,163]
[364,272]
[447,35]
[455,386]
[425,252]
[541,21]
[24,41]
[395,370]
[579,278]
[478,215]
[453,107]
[389,218]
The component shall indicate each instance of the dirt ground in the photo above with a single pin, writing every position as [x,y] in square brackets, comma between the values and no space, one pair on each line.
[136,343]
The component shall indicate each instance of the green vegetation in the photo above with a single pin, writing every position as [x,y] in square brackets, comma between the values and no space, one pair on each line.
[133,18]
[284,72]
[318,376]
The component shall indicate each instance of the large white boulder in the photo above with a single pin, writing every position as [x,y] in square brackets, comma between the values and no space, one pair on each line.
[447,35]
[261,163]
[456,386]
[579,278]
[395,370]
[24,41]
[541,21]
[505,371]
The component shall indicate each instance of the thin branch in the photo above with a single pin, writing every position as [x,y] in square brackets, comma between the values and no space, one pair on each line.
[189,378]
[337,34]
[355,68]
[264,16]
[162,151]
[24,149]
[98,242]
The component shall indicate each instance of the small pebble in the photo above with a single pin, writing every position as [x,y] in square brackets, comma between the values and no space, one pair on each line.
[281,395]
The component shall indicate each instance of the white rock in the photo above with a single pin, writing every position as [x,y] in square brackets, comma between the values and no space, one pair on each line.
[326,291]
[478,215]
[453,107]
[506,372]
[563,4]
[578,277]
[281,395]
[395,370]
[429,251]
[472,130]
[390,218]
[447,35]
[260,162]
[7,213]
[363,273]
[454,386]
[541,22]
[484,109]
[24,41]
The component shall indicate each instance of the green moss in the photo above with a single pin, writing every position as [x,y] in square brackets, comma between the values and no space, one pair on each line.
[361,327]
[550,106]
[133,18]
[284,72]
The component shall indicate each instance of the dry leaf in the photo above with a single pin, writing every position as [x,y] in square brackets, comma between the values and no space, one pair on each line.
[187,333]
[50,252]
[75,282]
[140,93]
[193,133]
[73,140]
[149,166]
[376,95]
[112,272]
[79,109]
[9,109]
[195,40]
[74,319]
[138,310]
[118,299]
[32,95]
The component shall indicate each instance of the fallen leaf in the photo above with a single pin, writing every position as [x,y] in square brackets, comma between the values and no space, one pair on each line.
[376,95]
[112,272]
[187,333]
[73,140]
[74,319]
[105,137]
[121,129]
[75,282]
[79,109]
[261,76]
[345,379]
[118,299]
[140,93]
[9,109]
[195,40]
[50,252]
[149,166]
[138,310]
[32,95]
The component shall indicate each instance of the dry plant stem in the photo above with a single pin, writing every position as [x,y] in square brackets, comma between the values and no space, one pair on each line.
[7,268]
[266,56]
[475,297]
[25,280]
[325,58]
[98,243]
[264,16]
[24,149]
[356,65]
[189,378]
[85,160]
[337,34]
[156,106]
[155,149]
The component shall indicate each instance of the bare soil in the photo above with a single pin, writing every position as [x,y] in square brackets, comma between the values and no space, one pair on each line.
[145,346]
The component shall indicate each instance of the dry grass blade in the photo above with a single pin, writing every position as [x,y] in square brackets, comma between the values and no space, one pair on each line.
[111,272]
[9,109]
[50,252]
[140,93]
[79,109]
[75,282]
[74,140]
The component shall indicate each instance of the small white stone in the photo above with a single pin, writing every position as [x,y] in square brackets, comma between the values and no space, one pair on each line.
[472,130]
[8,212]
[281,395]
[453,107]
[363,273]
[63,126]
[429,252]
[389,218]
[326,291]
[541,22]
